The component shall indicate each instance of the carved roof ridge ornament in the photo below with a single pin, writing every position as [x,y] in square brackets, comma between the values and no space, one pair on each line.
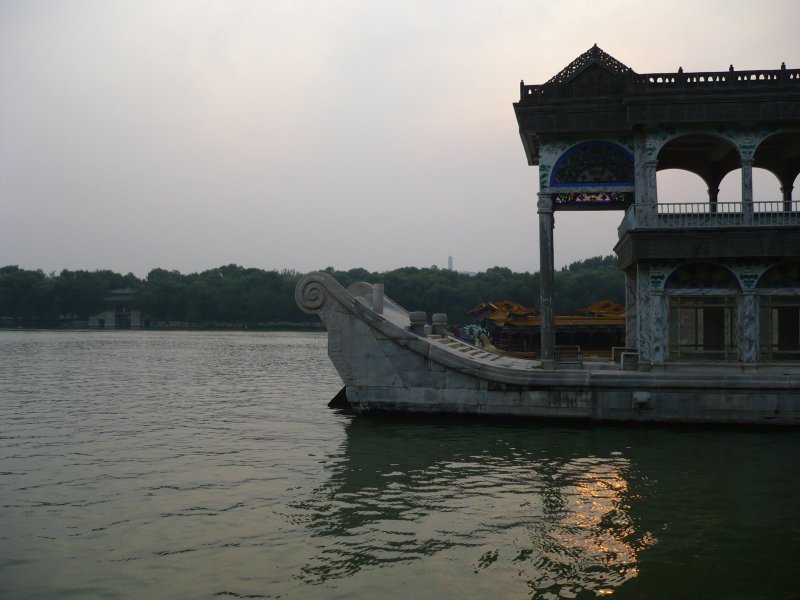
[594,55]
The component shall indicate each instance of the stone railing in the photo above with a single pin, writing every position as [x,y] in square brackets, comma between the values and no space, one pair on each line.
[776,213]
[635,82]
[701,214]
[716,79]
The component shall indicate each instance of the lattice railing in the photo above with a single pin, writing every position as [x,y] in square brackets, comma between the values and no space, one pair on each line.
[775,213]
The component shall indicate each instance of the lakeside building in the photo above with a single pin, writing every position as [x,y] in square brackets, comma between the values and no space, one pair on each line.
[516,329]
[121,311]
[706,280]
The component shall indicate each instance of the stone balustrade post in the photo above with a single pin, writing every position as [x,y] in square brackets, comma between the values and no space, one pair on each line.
[439,324]
[418,323]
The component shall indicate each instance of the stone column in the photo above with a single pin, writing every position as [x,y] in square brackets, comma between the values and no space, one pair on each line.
[643,317]
[748,327]
[639,157]
[747,190]
[650,191]
[658,312]
[713,197]
[631,329]
[547,279]
[786,192]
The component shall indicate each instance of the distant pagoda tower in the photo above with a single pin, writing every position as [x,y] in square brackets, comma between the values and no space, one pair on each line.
[450,263]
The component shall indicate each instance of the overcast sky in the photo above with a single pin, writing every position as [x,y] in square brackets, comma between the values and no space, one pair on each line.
[189,134]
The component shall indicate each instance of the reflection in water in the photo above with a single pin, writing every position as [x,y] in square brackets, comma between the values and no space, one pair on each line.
[198,465]
[491,495]
[591,542]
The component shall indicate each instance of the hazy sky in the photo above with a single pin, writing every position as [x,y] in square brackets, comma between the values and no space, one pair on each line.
[188,134]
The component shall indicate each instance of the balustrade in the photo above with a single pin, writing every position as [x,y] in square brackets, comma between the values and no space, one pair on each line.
[715,78]
[774,213]
[676,80]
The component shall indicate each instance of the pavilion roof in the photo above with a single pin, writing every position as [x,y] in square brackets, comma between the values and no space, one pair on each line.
[594,55]
[506,312]
[504,306]
[605,308]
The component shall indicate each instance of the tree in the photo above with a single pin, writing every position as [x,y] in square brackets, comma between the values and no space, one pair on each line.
[239,295]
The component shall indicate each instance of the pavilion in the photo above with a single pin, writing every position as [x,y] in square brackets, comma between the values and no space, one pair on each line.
[708,281]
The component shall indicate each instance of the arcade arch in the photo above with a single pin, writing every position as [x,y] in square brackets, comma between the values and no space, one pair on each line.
[766,187]
[780,154]
[711,157]
[680,186]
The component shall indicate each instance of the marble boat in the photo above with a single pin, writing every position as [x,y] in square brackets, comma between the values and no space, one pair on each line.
[393,360]
[712,284]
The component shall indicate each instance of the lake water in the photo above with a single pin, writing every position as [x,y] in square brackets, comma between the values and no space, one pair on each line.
[199,465]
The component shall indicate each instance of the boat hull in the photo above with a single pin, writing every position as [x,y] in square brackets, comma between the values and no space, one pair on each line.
[388,366]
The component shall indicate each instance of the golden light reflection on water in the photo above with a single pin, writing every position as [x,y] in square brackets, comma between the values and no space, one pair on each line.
[590,541]
[555,527]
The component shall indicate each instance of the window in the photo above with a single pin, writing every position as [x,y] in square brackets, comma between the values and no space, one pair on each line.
[703,328]
[779,323]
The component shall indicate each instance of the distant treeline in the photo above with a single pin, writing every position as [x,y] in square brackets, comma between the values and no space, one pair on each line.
[246,296]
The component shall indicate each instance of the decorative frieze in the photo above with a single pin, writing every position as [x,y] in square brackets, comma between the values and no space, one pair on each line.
[746,140]
[654,140]
[656,279]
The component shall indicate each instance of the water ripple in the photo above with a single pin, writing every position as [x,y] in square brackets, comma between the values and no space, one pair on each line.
[169,464]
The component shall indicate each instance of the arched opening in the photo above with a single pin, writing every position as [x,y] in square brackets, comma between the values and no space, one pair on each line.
[593,163]
[708,156]
[766,189]
[596,175]
[701,276]
[678,186]
[780,155]
[702,313]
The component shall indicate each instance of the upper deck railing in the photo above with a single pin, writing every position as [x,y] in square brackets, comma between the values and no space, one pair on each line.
[710,79]
[689,215]
[703,80]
